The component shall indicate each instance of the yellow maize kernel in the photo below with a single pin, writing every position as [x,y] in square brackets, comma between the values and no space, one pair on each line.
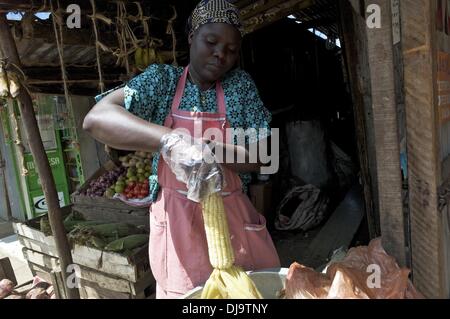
[226,280]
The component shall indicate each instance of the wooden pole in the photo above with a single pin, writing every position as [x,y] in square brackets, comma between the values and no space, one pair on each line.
[8,46]
[381,65]
[355,47]
[5,187]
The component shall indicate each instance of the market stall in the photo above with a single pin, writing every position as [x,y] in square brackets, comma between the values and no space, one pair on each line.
[341,93]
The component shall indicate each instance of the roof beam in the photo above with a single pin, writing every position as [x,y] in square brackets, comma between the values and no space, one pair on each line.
[268,13]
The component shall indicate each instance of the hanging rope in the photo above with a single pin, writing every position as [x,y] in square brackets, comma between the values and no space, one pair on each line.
[144,21]
[57,28]
[97,47]
[170,30]
[19,143]
[124,29]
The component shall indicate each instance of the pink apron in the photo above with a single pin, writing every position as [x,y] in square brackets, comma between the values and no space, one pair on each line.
[178,248]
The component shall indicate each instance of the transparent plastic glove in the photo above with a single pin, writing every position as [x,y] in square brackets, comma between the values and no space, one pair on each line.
[193,163]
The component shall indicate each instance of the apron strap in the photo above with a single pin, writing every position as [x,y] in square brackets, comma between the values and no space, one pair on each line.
[220,95]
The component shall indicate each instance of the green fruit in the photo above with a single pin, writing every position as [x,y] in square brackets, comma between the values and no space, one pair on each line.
[120,183]
[147,174]
[140,171]
[119,189]
[110,193]
[133,178]
[142,179]
[148,168]
[140,165]
[131,174]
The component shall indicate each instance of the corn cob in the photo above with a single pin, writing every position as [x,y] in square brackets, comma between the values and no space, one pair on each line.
[127,243]
[227,281]
[111,230]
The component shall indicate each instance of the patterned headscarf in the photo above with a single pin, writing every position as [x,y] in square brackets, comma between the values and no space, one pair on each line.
[215,11]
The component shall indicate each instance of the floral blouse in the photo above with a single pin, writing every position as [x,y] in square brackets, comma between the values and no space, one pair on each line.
[150,94]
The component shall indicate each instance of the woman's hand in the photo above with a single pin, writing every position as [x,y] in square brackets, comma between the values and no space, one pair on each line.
[193,163]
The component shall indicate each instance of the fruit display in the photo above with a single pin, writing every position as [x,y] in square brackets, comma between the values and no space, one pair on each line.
[130,179]
[98,187]
[133,184]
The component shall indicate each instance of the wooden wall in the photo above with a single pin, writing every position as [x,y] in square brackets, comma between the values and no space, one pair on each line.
[429,245]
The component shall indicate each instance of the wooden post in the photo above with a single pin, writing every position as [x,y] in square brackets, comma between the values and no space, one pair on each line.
[8,46]
[381,65]
[427,224]
[355,48]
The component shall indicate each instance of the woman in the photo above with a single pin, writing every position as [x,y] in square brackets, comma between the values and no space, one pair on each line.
[164,98]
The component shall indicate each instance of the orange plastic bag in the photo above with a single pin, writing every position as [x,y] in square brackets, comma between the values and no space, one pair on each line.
[365,273]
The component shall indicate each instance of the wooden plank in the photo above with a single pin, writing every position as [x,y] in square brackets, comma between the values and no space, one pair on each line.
[114,283]
[91,290]
[40,259]
[37,246]
[419,56]
[40,271]
[26,231]
[6,270]
[128,272]
[339,230]
[355,48]
[381,59]
[137,255]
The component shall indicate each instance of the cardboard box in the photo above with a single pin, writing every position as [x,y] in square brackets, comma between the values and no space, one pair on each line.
[261,197]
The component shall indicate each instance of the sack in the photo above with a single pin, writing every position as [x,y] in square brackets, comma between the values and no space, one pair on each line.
[303,208]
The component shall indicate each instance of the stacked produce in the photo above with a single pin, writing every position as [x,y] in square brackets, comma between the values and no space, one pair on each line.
[130,179]
[134,183]
[98,187]
[116,237]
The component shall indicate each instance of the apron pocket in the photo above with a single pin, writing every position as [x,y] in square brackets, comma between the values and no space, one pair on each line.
[158,251]
[260,246]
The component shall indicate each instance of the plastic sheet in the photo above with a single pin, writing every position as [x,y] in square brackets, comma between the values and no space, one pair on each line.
[365,273]
[193,163]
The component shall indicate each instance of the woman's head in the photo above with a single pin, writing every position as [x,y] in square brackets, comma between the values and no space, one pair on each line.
[214,38]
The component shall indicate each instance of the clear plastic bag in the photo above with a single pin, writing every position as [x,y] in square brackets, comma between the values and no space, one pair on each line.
[193,163]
